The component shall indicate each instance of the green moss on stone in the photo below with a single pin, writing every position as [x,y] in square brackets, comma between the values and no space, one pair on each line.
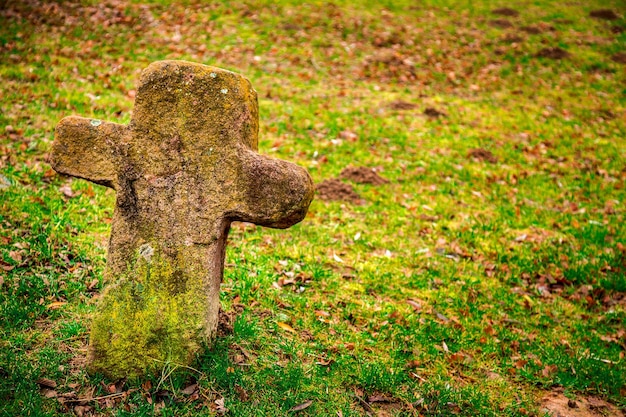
[152,316]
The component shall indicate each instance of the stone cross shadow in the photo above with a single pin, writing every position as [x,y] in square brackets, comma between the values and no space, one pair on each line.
[183,169]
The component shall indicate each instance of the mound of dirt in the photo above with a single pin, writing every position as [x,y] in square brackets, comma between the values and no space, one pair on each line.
[512,38]
[402,105]
[482,155]
[505,11]
[362,175]
[500,23]
[605,14]
[433,113]
[619,57]
[532,30]
[335,190]
[553,53]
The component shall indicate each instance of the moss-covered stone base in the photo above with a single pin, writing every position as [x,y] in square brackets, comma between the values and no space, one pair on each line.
[153,316]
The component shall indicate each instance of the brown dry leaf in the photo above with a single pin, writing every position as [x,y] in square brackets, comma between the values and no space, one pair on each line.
[16,256]
[46,383]
[549,370]
[349,136]
[220,408]
[242,393]
[6,267]
[190,389]
[56,305]
[457,357]
[83,410]
[301,407]
[49,393]
[66,189]
[286,327]
[520,363]
[489,331]
[415,304]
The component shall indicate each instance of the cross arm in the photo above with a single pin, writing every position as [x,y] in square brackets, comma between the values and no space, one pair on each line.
[276,193]
[84,148]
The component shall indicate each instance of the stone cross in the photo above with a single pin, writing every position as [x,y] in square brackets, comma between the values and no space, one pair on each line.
[183,169]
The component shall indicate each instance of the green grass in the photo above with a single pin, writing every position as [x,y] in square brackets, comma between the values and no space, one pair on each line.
[515,269]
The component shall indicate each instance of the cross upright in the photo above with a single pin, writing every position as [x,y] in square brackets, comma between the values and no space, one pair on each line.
[183,170]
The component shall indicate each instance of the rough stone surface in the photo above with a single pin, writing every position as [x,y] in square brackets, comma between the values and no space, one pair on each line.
[183,169]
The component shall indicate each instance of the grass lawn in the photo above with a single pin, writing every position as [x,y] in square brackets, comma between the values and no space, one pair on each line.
[476,265]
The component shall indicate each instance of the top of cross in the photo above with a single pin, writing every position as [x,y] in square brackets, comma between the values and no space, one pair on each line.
[187,155]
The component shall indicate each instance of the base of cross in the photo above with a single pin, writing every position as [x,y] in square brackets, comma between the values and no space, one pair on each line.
[158,312]
[184,168]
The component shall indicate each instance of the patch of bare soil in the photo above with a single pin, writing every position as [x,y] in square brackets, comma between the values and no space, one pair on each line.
[362,175]
[605,14]
[553,53]
[505,11]
[501,23]
[619,57]
[402,105]
[335,190]
[532,30]
[433,113]
[617,29]
[510,38]
[482,155]
[558,405]
[538,28]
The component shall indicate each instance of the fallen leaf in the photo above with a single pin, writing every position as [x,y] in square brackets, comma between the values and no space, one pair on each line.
[549,370]
[16,256]
[520,363]
[416,305]
[46,383]
[242,393]
[190,389]
[56,305]
[220,407]
[6,267]
[49,393]
[66,189]
[324,362]
[83,410]
[302,406]
[286,327]
[378,398]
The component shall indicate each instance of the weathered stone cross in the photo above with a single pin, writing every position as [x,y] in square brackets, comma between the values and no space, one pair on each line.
[183,169]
